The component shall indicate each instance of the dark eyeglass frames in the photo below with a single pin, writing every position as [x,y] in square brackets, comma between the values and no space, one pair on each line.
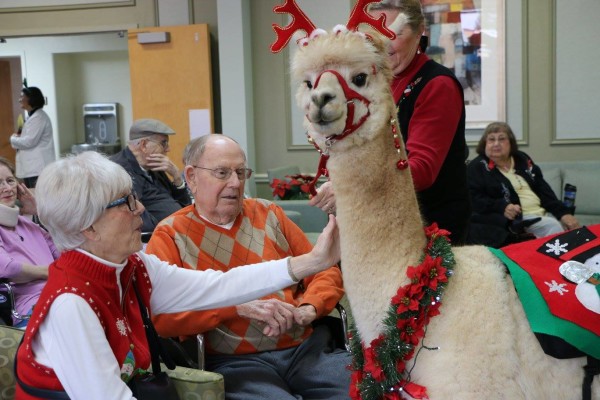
[130,200]
[223,173]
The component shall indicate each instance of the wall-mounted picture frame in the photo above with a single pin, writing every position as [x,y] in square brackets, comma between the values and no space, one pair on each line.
[576,75]
[467,36]
[54,5]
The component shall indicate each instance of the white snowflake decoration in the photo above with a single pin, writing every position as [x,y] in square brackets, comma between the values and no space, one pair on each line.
[557,247]
[557,287]
[121,327]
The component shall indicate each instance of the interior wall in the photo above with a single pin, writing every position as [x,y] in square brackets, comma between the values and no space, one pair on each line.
[540,87]
[67,87]
[58,21]
[104,78]
[205,12]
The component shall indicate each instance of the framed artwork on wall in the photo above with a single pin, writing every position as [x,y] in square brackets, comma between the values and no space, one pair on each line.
[467,36]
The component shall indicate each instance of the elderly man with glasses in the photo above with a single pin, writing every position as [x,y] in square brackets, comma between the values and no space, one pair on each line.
[156,179]
[267,348]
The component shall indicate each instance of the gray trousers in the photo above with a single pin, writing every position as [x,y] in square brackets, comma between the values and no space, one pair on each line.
[311,371]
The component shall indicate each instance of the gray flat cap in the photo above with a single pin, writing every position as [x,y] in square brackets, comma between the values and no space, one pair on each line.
[148,127]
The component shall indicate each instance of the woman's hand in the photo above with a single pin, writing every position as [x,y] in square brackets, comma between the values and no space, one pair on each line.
[512,211]
[327,247]
[324,199]
[27,199]
[324,254]
[570,221]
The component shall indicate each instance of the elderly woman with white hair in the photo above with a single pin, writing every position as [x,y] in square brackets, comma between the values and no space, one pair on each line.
[86,335]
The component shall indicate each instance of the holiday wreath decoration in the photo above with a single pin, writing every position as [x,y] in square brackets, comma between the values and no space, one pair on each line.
[379,370]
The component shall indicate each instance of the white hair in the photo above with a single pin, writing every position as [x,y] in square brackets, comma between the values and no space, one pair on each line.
[72,193]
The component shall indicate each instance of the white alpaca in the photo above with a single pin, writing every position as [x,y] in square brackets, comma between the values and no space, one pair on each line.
[486,348]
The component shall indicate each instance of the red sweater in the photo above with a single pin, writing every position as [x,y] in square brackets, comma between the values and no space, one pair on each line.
[436,115]
[76,273]
[262,232]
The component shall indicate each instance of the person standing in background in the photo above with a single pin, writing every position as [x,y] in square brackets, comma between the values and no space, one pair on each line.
[34,143]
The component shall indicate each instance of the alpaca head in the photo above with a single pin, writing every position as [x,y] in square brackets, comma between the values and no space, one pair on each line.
[343,83]
[343,77]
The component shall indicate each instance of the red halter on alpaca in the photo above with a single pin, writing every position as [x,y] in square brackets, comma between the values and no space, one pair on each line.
[351,96]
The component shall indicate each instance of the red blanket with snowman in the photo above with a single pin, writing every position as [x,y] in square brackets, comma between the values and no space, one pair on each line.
[555,305]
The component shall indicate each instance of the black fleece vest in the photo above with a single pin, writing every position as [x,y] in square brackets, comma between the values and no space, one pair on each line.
[447,200]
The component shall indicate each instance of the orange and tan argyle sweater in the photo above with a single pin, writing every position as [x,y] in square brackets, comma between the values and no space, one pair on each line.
[262,232]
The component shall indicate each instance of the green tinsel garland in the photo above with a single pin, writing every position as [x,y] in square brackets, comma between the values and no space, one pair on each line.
[390,349]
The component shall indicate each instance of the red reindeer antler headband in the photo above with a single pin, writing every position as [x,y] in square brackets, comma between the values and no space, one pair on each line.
[300,21]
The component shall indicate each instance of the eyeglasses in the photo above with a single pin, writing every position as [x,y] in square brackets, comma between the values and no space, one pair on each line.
[11,182]
[130,200]
[164,143]
[223,173]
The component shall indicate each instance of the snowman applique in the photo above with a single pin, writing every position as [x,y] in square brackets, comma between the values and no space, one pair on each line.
[586,275]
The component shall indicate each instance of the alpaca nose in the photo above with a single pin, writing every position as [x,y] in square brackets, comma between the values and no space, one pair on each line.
[322,99]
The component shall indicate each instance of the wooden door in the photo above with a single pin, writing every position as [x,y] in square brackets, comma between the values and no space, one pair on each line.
[170,79]
[7,122]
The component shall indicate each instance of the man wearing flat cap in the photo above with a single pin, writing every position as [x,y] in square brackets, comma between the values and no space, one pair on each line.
[156,179]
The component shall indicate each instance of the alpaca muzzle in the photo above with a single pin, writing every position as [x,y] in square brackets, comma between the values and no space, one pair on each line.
[352,97]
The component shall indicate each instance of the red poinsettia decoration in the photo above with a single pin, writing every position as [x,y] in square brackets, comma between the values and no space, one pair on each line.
[293,187]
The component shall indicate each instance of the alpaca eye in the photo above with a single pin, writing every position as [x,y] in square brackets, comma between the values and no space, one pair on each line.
[308,84]
[360,80]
